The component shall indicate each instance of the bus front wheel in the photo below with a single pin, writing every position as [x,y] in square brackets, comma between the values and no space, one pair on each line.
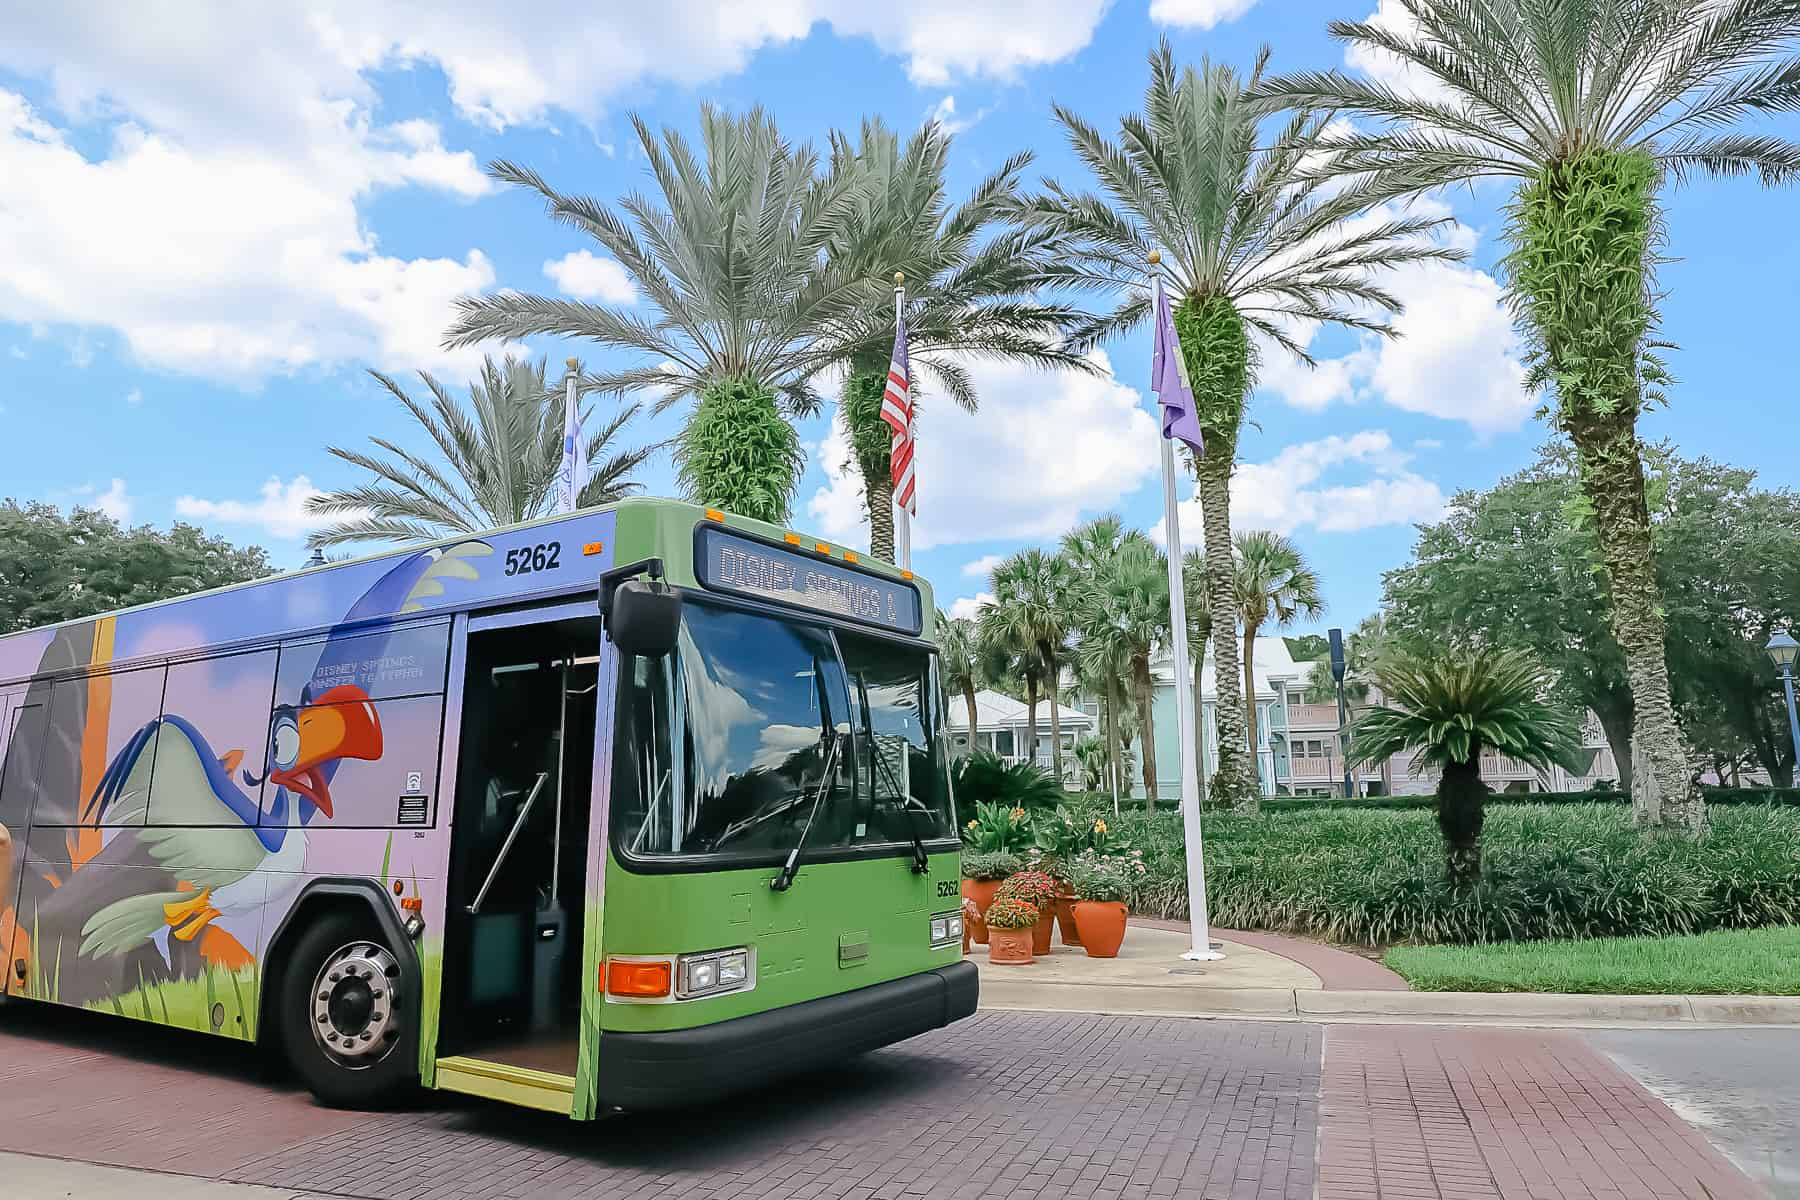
[346,1021]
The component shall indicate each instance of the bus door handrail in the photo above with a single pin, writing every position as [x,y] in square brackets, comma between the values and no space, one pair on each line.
[512,835]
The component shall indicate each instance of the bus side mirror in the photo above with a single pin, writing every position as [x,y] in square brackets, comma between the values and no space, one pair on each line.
[643,618]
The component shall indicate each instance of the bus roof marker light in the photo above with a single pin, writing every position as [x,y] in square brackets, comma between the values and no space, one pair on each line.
[822,548]
[905,574]
[639,980]
[792,539]
[850,556]
[593,548]
[713,514]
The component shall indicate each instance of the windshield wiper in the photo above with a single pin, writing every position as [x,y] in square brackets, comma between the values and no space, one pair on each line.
[785,880]
[912,806]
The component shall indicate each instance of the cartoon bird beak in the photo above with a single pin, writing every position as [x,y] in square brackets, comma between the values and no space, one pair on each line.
[340,724]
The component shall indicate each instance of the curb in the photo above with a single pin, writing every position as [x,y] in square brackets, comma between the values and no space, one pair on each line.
[1519,1008]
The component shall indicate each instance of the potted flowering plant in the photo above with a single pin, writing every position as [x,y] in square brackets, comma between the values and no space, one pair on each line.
[1009,925]
[1102,882]
[982,874]
[1061,837]
[1039,890]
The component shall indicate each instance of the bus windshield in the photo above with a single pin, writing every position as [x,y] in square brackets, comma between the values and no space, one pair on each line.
[728,745]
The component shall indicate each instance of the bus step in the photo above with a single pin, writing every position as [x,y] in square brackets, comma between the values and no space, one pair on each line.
[507,1084]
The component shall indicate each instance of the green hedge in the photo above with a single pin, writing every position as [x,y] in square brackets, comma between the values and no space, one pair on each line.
[1714,796]
[1561,870]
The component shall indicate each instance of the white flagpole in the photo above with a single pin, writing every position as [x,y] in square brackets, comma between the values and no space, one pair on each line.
[902,518]
[1184,702]
[572,479]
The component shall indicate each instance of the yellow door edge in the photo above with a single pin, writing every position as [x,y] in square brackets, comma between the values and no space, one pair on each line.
[541,1090]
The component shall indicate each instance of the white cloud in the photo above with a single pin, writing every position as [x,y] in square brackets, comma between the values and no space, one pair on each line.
[588,276]
[279,510]
[1457,356]
[113,501]
[1283,493]
[16,351]
[969,607]
[982,567]
[134,397]
[1198,14]
[944,113]
[1388,69]
[1045,449]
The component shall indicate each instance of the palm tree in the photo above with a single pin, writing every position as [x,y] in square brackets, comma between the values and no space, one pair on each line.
[496,463]
[1273,585]
[1251,243]
[1592,106]
[1452,709]
[729,258]
[959,662]
[1031,608]
[1123,613]
[970,288]
[1089,550]
[1198,599]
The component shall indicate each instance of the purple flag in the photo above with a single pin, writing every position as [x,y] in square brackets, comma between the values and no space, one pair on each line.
[1169,381]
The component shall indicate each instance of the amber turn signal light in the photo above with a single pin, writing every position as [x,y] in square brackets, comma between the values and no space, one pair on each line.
[639,980]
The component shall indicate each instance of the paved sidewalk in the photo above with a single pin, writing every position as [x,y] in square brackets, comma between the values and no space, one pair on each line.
[1462,1114]
[37,1178]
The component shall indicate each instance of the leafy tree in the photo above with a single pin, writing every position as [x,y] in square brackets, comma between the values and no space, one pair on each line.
[1273,584]
[1252,243]
[970,288]
[1592,106]
[1089,550]
[1122,611]
[1308,647]
[496,462]
[737,452]
[1031,608]
[959,661]
[1451,709]
[730,259]
[58,568]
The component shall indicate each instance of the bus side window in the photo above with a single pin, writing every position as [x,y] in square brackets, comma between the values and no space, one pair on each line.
[95,723]
[18,779]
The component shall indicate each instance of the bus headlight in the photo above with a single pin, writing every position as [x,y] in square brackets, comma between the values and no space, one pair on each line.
[713,973]
[946,929]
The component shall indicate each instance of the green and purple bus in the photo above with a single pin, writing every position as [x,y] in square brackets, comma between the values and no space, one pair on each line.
[627,808]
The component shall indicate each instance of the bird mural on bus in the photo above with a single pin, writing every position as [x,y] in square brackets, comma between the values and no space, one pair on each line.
[176,857]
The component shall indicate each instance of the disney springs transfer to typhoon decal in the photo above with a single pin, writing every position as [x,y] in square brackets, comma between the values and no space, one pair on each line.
[768,573]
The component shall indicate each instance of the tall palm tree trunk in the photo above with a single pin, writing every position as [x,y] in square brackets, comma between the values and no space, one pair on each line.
[1145,687]
[1584,233]
[969,700]
[1234,780]
[1031,699]
[1115,764]
[1462,797]
[1250,724]
[878,488]
[1056,755]
[1612,479]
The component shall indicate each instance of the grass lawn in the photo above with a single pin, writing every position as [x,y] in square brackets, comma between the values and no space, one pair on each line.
[1744,961]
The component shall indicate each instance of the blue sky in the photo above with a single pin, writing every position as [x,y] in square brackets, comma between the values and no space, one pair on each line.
[213,221]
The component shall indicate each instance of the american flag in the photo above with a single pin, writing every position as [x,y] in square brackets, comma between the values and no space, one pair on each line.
[897,411]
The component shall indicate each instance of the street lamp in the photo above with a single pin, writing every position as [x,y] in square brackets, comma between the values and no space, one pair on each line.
[1337,673]
[1784,649]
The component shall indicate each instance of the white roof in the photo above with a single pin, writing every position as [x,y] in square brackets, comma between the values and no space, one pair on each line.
[1273,663]
[994,710]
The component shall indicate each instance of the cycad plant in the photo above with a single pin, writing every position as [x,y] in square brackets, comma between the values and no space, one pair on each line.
[1593,107]
[1033,593]
[728,259]
[1449,710]
[1274,586]
[1251,243]
[971,283]
[495,464]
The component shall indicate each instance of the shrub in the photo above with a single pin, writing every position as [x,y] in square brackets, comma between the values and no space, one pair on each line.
[1033,887]
[985,778]
[1011,914]
[1552,871]
[997,828]
[1105,877]
[986,867]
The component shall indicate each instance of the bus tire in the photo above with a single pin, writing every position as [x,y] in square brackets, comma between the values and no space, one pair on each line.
[349,1029]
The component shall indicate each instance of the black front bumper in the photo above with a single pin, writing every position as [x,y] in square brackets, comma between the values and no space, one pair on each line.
[691,1066]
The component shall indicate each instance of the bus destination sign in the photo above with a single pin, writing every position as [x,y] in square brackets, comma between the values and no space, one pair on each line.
[747,567]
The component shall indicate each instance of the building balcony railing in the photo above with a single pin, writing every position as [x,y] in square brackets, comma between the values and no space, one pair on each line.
[1312,716]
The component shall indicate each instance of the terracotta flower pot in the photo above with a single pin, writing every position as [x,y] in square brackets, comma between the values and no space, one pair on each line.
[1040,933]
[1102,926]
[1065,921]
[981,891]
[1009,947]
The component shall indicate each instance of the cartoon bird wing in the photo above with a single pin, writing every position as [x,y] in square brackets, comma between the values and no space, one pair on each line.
[198,835]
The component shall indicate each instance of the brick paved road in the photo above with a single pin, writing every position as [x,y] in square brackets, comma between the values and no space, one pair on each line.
[1005,1104]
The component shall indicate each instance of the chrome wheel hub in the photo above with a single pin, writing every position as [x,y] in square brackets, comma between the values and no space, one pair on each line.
[353,1001]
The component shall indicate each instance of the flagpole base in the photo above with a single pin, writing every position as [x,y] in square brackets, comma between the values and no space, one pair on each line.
[1203,955]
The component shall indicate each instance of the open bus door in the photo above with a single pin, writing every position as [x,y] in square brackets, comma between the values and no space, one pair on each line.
[515,925]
